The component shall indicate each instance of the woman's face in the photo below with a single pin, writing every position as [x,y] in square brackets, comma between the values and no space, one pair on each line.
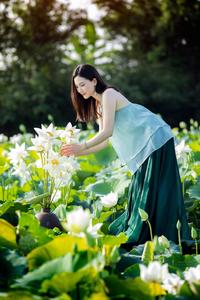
[84,86]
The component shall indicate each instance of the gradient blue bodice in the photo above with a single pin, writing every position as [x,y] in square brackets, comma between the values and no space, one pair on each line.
[137,133]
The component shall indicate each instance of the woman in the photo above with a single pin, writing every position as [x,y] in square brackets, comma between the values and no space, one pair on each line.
[145,143]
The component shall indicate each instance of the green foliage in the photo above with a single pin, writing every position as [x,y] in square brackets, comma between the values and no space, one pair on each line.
[105,156]
[194,191]
[46,270]
[158,40]
[59,246]
[62,274]
[62,282]
[21,295]
[34,83]
[148,252]
[116,184]
[132,271]
[115,240]
[12,266]
[7,234]
[31,234]
[41,42]
[179,262]
[144,216]
[38,263]
[128,289]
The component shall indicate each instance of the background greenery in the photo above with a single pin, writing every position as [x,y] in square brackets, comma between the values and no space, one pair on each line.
[149,49]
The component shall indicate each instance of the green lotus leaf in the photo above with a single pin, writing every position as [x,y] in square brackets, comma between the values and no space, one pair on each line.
[113,240]
[129,288]
[6,205]
[181,262]
[12,265]
[115,184]
[62,283]
[59,246]
[46,271]
[19,295]
[194,191]
[105,156]
[132,271]
[103,217]
[7,234]
[195,146]
[31,234]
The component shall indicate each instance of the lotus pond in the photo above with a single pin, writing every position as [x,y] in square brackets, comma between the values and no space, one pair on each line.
[80,259]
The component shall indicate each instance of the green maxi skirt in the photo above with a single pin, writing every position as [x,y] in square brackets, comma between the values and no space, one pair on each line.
[156,188]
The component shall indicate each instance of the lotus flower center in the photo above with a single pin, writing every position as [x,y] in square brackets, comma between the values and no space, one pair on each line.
[50,133]
[55,162]
[71,132]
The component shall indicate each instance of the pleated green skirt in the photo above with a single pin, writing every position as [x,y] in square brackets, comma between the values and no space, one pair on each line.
[156,188]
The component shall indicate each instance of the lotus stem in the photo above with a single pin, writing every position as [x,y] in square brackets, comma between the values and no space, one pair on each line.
[196,246]
[67,194]
[150,229]
[178,226]
[194,237]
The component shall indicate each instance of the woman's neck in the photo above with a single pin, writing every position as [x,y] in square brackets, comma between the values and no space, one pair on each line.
[97,97]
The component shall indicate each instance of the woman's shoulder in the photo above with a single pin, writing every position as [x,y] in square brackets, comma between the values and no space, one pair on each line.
[110,91]
[116,97]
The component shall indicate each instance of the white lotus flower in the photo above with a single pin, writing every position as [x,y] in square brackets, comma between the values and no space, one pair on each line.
[78,220]
[182,149]
[39,164]
[17,154]
[71,164]
[172,283]
[162,240]
[49,134]
[55,164]
[93,229]
[3,138]
[192,275]
[60,168]
[155,272]
[109,200]
[16,139]
[63,179]
[22,171]
[69,134]
[39,144]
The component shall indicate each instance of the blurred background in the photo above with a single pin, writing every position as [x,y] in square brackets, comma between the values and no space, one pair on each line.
[149,49]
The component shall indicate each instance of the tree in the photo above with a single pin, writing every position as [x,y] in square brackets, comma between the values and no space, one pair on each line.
[34,79]
[160,53]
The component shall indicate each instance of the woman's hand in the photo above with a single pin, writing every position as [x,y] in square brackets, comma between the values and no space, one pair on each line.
[71,149]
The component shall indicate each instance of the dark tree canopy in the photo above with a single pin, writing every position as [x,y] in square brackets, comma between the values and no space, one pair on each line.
[156,63]
[161,52]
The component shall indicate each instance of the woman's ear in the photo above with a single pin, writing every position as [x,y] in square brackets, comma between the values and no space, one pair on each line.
[94,80]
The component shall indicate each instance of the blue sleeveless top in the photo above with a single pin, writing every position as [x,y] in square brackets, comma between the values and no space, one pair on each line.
[137,133]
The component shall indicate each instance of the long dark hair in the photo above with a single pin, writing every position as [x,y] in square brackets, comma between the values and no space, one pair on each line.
[86,111]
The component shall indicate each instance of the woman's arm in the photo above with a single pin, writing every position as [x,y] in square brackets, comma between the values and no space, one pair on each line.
[93,149]
[97,147]
[109,102]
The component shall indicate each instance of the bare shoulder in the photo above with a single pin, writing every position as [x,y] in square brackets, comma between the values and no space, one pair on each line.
[110,92]
[115,98]
[109,98]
